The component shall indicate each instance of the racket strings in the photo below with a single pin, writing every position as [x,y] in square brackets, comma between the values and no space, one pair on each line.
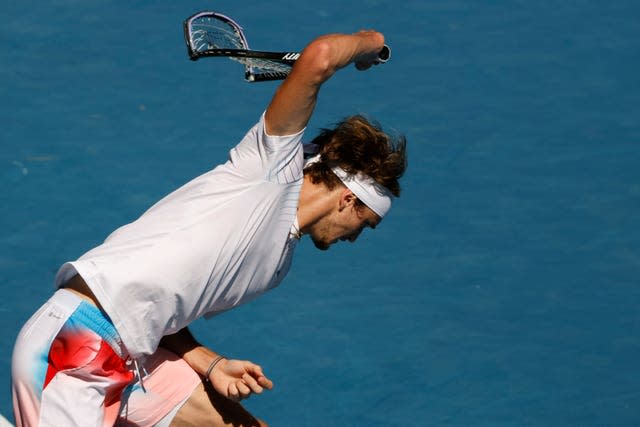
[210,33]
[264,65]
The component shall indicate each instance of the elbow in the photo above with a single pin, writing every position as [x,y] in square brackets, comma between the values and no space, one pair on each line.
[318,60]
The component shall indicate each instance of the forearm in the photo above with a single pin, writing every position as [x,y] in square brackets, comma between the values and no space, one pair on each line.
[186,346]
[295,100]
[235,379]
[340,50]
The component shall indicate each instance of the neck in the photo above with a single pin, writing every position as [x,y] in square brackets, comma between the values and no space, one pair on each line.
[316,200]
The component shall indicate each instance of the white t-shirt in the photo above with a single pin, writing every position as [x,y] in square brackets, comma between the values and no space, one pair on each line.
[215,243]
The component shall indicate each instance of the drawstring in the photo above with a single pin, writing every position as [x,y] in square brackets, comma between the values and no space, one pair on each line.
[137,365]
[138,373]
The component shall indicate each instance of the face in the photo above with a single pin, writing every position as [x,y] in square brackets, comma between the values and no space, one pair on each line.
[343,224]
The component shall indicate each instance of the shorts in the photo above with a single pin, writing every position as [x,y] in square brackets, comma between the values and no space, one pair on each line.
[69,368]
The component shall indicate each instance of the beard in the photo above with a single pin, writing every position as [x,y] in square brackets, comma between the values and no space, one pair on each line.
[320,244]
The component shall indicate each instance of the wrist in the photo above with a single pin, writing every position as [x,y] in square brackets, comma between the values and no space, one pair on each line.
[212,365]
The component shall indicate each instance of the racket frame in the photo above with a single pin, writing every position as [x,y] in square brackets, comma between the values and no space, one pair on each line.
[287,58]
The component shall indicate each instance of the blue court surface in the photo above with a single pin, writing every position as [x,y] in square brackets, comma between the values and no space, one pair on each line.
[502,289]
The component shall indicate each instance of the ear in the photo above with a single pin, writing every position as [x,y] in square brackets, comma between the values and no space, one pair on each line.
[347,198]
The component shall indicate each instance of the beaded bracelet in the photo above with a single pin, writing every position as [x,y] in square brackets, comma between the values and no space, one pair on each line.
[213,365]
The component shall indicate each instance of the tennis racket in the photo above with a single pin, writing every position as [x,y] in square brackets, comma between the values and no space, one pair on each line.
[210,34]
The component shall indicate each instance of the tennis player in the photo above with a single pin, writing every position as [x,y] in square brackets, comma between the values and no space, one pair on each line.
[112,345]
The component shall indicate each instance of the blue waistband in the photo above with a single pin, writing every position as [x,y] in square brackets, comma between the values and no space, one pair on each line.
[90,317]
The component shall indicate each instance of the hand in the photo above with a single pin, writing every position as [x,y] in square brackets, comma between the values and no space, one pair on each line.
[380,58]
[238,379]
[372,55]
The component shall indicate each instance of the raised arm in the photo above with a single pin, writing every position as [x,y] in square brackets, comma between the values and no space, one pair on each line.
[295,99]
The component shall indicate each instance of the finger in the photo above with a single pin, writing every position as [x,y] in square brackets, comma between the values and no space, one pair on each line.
[361,66]
[252,383]
[256,372]
[243,389]
[233,393]
[265,382]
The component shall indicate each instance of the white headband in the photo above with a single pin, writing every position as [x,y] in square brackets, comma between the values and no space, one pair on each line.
[377,197]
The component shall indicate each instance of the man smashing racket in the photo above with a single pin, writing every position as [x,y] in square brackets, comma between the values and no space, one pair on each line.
[112,345]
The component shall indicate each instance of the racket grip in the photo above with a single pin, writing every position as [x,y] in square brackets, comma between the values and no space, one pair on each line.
[384,55]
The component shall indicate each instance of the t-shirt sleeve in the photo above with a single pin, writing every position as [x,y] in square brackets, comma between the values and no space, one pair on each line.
[270,157]
[279,142]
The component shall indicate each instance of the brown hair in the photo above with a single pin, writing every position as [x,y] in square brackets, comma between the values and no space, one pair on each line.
[358,145]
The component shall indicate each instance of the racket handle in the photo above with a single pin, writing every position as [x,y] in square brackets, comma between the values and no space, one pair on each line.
[384,55]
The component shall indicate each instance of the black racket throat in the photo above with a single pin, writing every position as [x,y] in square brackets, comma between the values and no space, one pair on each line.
[282,57]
